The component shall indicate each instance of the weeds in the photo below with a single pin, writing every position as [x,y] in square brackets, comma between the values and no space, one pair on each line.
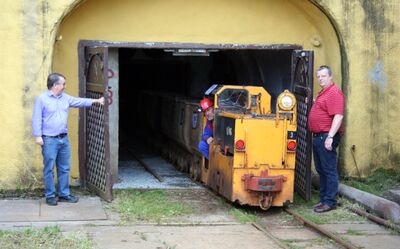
[354,232]
[242,216]
[339,215]
[377,183]
[299,244]
[153,205]
[48,237]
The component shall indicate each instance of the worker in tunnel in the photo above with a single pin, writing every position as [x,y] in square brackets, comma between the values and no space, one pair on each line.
[208,134]
[49,127]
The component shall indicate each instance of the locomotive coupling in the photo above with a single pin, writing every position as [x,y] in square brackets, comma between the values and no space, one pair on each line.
[263,183]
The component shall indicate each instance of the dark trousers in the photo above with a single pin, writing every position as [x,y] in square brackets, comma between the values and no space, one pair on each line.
[326,166]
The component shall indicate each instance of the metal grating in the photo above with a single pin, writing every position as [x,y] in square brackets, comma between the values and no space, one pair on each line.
[302,77]
[302,152]
[95,142]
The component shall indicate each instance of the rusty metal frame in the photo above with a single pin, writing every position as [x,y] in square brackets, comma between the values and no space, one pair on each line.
[166,45]
[303,90]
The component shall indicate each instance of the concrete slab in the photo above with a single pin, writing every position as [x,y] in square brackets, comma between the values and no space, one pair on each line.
[15,225]
[210,237]
[133,175]
[19,210]
[293,233]
[366,228]
[375,241]
[88,208]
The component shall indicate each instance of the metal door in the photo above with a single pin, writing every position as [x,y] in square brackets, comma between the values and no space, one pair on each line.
[302,82]
[96,147]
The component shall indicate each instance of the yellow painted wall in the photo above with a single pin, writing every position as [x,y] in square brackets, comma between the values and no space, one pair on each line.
[12,113]
[206,21]
[368,31]
[27,30]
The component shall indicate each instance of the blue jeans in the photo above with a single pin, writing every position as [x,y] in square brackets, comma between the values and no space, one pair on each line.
[58,151]
[326,166]
[204,148]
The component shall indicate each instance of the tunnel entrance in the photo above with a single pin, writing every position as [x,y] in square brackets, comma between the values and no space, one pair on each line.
[161,71]
[142,74]
[146,72]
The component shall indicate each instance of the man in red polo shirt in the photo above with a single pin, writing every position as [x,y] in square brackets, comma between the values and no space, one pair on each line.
[325,121]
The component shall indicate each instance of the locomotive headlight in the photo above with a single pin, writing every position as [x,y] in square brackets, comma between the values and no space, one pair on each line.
[286,101]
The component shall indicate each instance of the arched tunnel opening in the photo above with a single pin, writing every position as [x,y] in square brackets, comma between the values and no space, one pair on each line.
[153,84]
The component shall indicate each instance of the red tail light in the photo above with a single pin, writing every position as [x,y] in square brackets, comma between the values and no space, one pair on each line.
[240,145]
[291,145]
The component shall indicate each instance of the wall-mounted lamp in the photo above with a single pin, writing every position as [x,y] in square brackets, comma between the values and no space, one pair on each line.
[190,51]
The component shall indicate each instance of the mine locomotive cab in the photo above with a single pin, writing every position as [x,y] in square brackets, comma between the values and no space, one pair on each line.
[252,158]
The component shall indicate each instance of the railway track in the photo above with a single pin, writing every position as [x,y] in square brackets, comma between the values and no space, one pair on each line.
[302,220]
[323,232]
[336,236]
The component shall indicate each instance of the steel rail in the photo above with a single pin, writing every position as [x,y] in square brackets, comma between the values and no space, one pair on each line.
[321,230]
[303,221]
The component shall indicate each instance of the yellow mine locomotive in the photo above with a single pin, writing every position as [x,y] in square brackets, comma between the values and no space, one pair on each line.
[252,157]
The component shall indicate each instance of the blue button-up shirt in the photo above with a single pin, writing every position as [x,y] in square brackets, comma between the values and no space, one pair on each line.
[50,113]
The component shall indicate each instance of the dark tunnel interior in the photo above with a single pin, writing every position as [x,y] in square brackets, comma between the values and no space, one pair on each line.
[190,76]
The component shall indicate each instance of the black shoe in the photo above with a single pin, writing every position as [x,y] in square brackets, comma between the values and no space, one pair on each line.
[69,198]
[51,201]
[323,208]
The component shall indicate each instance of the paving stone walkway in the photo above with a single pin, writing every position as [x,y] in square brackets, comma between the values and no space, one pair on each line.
[104,227]
[89,216]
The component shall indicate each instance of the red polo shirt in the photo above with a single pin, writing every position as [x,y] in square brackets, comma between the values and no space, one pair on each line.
[329,102]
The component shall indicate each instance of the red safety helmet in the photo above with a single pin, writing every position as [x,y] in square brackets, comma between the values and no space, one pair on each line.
[205,104]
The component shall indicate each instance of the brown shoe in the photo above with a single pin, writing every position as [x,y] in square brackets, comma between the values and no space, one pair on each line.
[323,208]
[317,205]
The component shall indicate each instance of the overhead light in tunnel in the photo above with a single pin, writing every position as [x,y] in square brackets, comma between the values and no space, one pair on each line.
[190,51]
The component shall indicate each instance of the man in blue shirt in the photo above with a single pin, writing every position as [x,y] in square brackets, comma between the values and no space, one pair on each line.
[208,134]
[49,126]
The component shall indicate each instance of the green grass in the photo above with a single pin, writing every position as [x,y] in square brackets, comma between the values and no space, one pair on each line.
[355,232]
[242,216]
[339,215]
[291,246]
[152,205]
[48,237]
[377,183]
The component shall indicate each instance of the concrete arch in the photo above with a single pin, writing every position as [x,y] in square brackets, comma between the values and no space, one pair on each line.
[259,22]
